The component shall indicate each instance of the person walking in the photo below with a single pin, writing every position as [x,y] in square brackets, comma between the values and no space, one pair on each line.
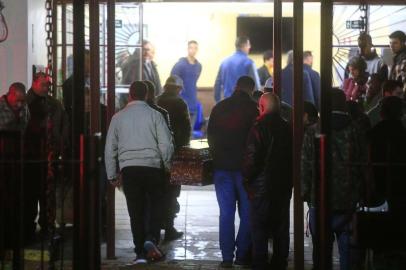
[14,113]
[140,140]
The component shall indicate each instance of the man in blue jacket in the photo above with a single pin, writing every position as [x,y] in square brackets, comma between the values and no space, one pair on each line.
[234,67]
[314,76]
[189,69]
[287,83]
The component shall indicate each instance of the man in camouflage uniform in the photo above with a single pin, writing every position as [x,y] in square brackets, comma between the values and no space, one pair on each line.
[45,131]
[398,46]
[344,185]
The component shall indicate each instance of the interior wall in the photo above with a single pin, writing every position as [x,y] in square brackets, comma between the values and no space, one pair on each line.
[25,45]
[13,51]
[171,25]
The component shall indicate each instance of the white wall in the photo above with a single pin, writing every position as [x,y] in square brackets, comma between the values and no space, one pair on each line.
[25,45]
[13,51]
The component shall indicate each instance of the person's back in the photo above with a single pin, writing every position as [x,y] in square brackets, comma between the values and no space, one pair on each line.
[234,67]
[287,85]
[229,124]
[177,110]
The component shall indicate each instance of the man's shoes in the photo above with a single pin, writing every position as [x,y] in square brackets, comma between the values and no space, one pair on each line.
[153,252]
[242,263]
[172,234]
[140,259]
[226,264]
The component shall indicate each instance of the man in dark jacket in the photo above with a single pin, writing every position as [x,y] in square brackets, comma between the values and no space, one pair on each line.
[268,173]
[265,72]
[130,68]
[178,111]
[46,130]
[287,83]
[347,146]
[387,141]
[229,124]
[398,46]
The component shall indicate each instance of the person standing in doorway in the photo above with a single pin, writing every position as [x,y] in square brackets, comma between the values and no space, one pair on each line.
[232,68]
[268,173]
[229,124]
[398,46]
[171,101]
[140,140]
[189,70]
[265,72]
[314,76]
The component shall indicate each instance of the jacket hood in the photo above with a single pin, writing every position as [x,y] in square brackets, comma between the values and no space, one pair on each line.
[340,120]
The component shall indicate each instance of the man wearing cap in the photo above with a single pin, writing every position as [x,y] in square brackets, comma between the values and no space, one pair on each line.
[178,111]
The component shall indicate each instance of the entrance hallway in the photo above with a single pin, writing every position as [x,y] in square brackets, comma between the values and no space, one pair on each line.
[199,247]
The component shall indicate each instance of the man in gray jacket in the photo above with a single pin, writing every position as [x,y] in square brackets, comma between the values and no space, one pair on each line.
[140,140]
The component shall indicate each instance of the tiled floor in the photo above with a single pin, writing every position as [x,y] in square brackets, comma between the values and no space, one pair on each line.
[198,219]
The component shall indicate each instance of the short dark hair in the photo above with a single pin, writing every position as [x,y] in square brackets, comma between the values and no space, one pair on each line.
[338,100]
[399,35]
[138,90]
[17,86]
[150,90]
[307,54]
[390,85]
[246,84]
[192,42]
[392,108]
[359,63]
[267,55]
[311,111]
[241,41]
[365,36]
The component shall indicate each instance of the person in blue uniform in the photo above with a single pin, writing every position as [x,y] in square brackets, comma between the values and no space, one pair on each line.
[189,70]
[234,67]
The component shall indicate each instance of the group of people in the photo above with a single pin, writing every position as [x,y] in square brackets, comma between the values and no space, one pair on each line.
[250,140]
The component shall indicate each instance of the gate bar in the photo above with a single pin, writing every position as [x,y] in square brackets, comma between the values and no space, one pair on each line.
[277,47]
[298,133]
[111,97]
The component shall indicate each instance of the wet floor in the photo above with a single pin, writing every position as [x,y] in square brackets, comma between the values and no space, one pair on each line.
[199,247]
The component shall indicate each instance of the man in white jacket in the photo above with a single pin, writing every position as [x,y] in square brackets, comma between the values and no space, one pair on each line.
[140,140]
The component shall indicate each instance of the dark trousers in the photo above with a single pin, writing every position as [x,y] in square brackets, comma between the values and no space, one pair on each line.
[35,191]
[171,205]
[144,189]
[270,219]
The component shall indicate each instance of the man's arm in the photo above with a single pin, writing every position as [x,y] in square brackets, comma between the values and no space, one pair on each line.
[164,139]
[218,86]
[110,151]
[252,72]
[252,161]
[177,69]
[308,93]
[185,124]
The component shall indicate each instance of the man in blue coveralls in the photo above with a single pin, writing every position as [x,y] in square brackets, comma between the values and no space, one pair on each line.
[189,69]
[234,67]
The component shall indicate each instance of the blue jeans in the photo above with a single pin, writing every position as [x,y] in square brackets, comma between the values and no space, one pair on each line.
[231,193]
[340,230]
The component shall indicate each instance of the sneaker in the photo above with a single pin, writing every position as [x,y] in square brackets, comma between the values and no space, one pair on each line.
[140,260]
[226,264]
[153,252]
[172,234]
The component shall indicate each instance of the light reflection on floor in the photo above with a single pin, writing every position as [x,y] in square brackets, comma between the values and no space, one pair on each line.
[198,219]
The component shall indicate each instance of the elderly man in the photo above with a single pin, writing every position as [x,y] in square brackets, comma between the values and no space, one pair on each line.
[172,102]
[140,140]
[13,110]
[268,173]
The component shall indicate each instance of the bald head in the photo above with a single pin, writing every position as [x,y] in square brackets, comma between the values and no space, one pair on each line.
[269,103]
